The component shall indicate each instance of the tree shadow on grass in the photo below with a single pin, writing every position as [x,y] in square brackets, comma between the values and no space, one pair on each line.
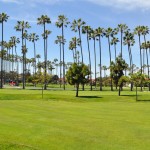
[143,100]
[89,97]
[129,95]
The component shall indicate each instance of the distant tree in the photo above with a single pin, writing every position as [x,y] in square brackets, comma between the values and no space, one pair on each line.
[123,79]
[78,74]
[137,78]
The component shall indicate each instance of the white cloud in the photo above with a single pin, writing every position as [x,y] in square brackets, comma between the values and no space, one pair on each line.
[34,2]
[11,1]
[124,4]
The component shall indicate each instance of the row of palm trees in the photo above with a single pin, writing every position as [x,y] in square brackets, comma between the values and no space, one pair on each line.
[127,37]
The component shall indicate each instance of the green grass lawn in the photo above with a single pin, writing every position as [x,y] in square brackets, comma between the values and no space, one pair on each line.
[60,121]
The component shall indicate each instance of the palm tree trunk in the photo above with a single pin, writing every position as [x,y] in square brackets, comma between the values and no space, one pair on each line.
[95,61]
[100,61]
[63,57]
[121,41]
[115,51]
[110,61]
[147,61]
[80,44]
[140,58]
[131,64]
[45,87]
[89,60]
[60,65]
[23,78]
[35,59]
[2,58]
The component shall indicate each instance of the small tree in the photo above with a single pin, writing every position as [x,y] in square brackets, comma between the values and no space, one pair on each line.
[137,78]
[122,80]
[77,74]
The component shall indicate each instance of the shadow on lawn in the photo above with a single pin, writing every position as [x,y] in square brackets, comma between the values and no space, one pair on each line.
[129,95]
[143,100]
[89,97]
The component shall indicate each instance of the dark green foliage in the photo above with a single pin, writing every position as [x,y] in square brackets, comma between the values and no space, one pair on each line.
[78,74]
[116,69]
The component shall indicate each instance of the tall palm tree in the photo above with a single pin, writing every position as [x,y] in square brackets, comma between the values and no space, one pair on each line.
[60,41]
[43,20]
[77,27]
[93,36]
[33,37]
[61,23]
[87,30]
[109,33]
[122,28]
[144,33]
[3,18]
[14,40]
[21,26]
[138,30]
[129,41]
[45,36]
[99,34]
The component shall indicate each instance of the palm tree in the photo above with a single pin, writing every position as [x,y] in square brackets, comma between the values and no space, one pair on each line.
[138,30]
[77,26]
[100,32]
[38,56]
[114,42]
[43,20]
[21,26]
[109,33]
[61,23]
[33,37]
[87,30]
[3,18]
[14,40]
[73,46]
[60,41]
[45,36]
[93,35]
[129,41]
[122,28]
[144,33]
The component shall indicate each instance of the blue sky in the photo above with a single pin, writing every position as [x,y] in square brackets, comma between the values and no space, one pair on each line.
[95,13]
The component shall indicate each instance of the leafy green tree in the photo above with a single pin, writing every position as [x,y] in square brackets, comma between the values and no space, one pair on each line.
[136,78]
[116,69]
[78,74]
[123,79]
